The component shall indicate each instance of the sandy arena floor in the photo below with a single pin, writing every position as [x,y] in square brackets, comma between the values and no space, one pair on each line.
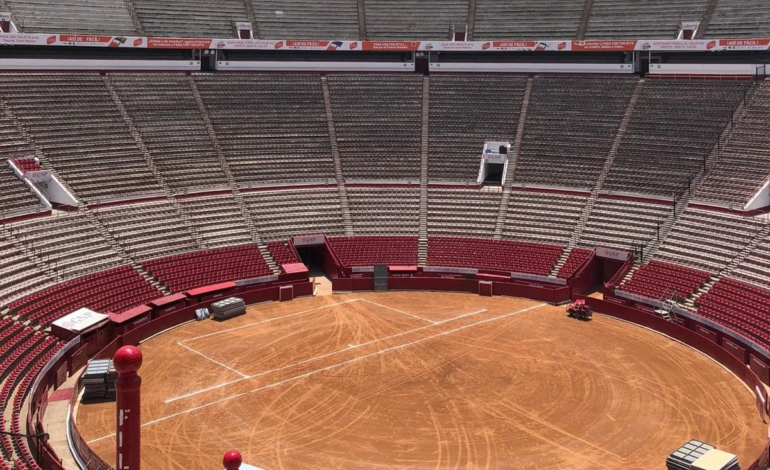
[426,381]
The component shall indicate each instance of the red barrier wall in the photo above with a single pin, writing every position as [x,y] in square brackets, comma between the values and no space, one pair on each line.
[530,290]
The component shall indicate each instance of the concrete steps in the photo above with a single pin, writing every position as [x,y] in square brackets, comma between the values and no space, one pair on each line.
[343,192]
[513,157]
[422,241]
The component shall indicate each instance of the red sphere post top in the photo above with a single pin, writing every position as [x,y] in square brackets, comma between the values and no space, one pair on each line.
[232,460]
[127,360]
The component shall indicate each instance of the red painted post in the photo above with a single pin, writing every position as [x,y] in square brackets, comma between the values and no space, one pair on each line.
[232,460]
[127,362]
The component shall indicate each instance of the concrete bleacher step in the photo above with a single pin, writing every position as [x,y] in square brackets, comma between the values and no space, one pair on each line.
[513,157]
[560,262]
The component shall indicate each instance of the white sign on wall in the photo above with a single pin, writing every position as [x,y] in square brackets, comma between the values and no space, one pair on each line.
[80,320]
[309,240]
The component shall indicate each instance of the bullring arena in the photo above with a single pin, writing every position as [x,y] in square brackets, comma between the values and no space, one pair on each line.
[426,380]
[384,234]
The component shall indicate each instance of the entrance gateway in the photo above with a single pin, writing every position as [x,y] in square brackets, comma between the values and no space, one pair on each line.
[494,163]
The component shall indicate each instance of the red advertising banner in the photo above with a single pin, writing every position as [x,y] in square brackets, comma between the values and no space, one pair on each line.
[620,45]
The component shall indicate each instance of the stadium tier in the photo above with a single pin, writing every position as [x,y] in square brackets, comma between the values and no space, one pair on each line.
[571,123]
[465,112]
[395,20]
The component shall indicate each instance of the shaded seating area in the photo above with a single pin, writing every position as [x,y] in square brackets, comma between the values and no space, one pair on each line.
[370,251]
[661,281]
[492,255]
[576,258]
[738,306]
[113,290]
[282,253]
[189,270]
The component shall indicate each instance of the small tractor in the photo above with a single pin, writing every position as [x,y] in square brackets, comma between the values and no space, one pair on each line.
[580,310]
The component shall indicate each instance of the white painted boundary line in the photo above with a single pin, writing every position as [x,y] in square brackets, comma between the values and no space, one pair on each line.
[324,369]
[270,320]
[398,311]
[323,356]
[212,360]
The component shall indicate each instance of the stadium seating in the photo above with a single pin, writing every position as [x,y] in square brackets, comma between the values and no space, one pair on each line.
[465,112]
[571,123]
[112,290]
[202,268]
[743,165]
[68,244]
[738,306]
[653,19]
[623,224]
[755,267]
[707,240]
[544,19]
[271,127]
[217,219]
[384,210]
[190,18]
[492,255]
[462,212]
[370,251]
[75,122]
[414,19]
[73,16]
[19,275]
[12,143]
[282,253]
[148,229]
[378,122]
[740,18]
[27,164]
[543,217]
[307,19]
[15,197]
[664,147]
[284,213]
[163,108]
[576,258]
[663,281]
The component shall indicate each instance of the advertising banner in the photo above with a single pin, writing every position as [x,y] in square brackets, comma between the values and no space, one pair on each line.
[619,45]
